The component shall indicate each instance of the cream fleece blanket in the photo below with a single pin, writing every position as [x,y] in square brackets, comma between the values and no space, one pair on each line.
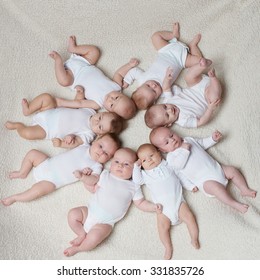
[122,29]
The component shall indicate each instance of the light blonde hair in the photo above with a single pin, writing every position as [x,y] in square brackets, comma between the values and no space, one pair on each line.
[150,118]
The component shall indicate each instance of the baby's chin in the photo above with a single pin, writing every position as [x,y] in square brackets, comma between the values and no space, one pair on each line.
[120,175]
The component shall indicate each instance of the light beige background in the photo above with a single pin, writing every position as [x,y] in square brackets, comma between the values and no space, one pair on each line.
[122,29]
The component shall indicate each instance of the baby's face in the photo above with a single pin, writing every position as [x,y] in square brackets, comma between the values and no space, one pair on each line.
[122,164]
[166,140]
[166,114]
[101,123]
[120,104]
[150,158]
[103,149]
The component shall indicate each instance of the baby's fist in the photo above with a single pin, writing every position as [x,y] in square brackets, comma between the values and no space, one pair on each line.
[216,136]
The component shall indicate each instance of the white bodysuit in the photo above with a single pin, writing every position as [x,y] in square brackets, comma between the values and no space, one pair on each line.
[190,101]
[165,188]
[200,166]
[59,169]
[172,55]
[96,84]
[59,122]
[111,200]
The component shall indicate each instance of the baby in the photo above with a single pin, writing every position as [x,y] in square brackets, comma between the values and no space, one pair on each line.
[55,172]
[113,195]
[171,53]
[201,169]
[100,91]
[166,190]
[190,107]
[68,128]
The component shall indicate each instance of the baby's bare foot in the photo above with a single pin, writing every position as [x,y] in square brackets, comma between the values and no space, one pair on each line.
[78,240]
[72,44]
[195,243]
[195,40]
[15,175]
[242,208]
[168,253]
[71,251]
[133,62]
[54,55]
[211,73]
[205,62]
[10,125]
[249,192]
[176,30]
[8,201]
[25,107]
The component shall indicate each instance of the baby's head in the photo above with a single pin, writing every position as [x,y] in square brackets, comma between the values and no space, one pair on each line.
[120,104]
[106,122]
[161,115]
[165,139]
[122,163]
[103,148]
[149,156]
[147,94]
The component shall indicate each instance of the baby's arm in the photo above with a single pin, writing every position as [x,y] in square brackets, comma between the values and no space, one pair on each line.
[210,141]
[80,103]
[122,71]
[205,118]
[148,206]
[168,80]
[69,141]
[137,173]
[88,178]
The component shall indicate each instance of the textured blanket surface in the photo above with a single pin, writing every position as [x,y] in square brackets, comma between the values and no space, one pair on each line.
[122,29]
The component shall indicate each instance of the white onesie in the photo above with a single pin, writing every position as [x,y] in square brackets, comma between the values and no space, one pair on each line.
[190,101]
[200,166]
[96,84]
[164,186]
[172,55]
[59,169]
[59,122]
[111,200]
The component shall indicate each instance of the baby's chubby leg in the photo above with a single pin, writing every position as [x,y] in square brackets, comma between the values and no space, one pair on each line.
[239,181]
[194,74]
[36,191]
[42,102]
[95,236]
[32,159]
[164,226]
[27,132]
[214,90]
[220,192]
[89,52]
[188,218]
[64,76]
[162,38]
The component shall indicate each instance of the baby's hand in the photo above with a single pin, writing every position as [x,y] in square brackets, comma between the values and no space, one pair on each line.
[138,162]
[216,136]
[87,171]
[77,174]
[133,62]
[158,208]
[69,139]
[213,105]
[168,80]
[186,146]
[56,142]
